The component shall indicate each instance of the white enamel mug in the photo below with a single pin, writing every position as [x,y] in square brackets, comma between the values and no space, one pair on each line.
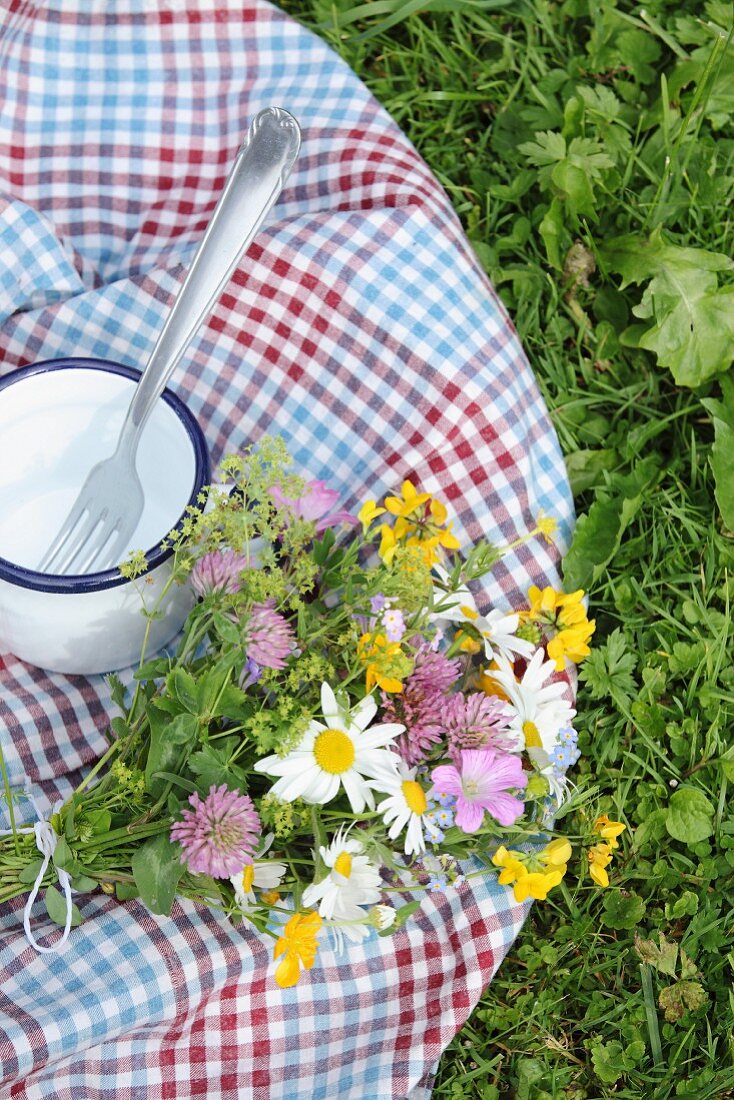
[57,419]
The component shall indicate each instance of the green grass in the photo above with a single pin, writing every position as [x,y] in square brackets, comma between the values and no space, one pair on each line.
[578,1009]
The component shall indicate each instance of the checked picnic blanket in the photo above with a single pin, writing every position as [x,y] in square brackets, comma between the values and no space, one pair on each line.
[360,328]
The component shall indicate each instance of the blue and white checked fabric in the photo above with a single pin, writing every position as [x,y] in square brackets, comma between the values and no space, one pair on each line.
[361,329]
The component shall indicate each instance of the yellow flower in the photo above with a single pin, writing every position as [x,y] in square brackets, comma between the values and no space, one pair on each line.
[600,856]
[533,874]
[408,503]
[385,663]
[537,884]
[566,615]
[270,897]
[572,642]
[388,544]
[557,853]
[609,830]
[367,513]
[298,942]
[546,526]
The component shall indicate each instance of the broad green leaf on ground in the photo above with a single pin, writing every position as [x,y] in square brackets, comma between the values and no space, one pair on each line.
[663,958]
[722,453]
[691,318]
[683,996]
[690,816]
[598,534]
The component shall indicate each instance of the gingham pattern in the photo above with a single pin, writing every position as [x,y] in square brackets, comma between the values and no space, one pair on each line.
[361,329]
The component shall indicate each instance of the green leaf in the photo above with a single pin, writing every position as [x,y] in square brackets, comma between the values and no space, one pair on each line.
[183,686]
[676,999]
[622,910]
[29,874]
[63,856]
[125,891]
[56,908]
[607,671]
[157,870]
[586,467]
[690,816]
[84,884]
[693,329]
[182,730]
[165,752]
[691,318]
[226,629]
[553,233]
[607,1058]
[663,958]
[722,452]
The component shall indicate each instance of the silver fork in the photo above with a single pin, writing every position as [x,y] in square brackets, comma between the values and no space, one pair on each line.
[110,503]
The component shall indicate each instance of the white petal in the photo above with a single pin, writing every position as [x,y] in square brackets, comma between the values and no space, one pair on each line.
[329,706]
[364,712]
[379,736]
[358,792]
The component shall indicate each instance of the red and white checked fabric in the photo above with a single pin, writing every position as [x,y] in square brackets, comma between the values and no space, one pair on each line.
[361,329]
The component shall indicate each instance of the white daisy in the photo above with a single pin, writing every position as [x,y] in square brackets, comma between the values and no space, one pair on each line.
[337,754]
[405,808]
[352,882]
[539,706]
[497,628]
[266,874]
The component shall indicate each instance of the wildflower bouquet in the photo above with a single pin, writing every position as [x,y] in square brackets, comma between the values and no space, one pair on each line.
[339,727]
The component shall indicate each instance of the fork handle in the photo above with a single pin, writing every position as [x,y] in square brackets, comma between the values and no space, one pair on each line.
[258,174]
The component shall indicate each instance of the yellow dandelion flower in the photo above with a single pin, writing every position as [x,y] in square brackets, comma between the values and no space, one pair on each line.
[297,943]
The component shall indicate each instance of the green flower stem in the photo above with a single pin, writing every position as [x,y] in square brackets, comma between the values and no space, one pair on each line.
[100,764]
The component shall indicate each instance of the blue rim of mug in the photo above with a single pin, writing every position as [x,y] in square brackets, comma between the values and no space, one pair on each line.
[110,578]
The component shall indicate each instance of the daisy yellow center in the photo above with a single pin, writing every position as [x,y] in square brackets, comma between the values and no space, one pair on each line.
[532,736]
[248,877]
[414,796]
[343,864]
[334,751]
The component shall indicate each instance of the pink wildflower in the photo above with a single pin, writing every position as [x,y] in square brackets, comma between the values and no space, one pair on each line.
[480,784]
[314,504]
[218,571]
[475,721]
[268,637]
[418,707]
[220,834]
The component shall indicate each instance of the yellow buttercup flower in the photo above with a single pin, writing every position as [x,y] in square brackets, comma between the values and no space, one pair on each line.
[298,943]
[609,830]
[368,513]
